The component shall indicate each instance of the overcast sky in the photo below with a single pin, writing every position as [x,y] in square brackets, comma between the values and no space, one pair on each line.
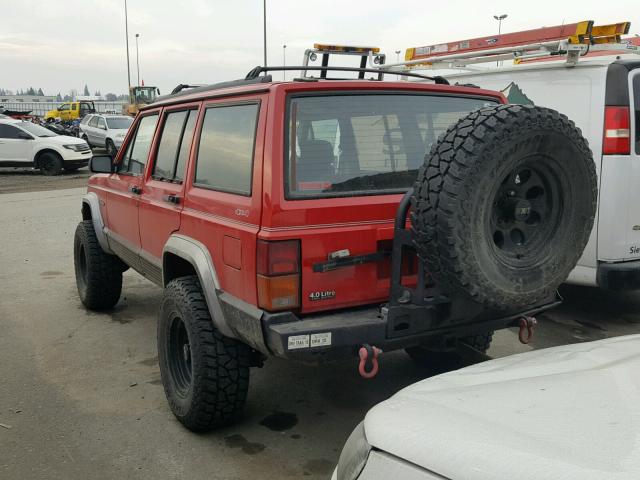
[58,45]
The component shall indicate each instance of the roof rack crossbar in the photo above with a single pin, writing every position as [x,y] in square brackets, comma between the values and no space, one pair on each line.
[254,73]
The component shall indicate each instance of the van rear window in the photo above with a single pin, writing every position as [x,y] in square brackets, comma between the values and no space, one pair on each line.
[346,145]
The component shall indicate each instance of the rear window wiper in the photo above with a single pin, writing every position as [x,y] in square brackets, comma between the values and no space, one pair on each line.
[376,181]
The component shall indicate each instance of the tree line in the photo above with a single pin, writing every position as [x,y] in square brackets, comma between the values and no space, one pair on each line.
[110,97]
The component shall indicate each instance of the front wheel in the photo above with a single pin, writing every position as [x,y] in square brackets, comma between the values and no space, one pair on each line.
[98,274]
[205,374]
[112,151]
[50,164]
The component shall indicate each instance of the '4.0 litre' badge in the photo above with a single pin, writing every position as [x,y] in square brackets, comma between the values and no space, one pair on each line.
[325,295]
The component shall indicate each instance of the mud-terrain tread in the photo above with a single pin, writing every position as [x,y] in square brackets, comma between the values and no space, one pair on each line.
[440,186]
[220,364]
[104,284]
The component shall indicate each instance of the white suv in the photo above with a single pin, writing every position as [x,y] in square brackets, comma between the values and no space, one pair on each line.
[105,131]
[25,144]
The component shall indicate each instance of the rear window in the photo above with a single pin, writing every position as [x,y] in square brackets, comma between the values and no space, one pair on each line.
[364,144]
[119,123]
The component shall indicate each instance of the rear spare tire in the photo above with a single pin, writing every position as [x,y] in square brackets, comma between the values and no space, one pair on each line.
[504,205]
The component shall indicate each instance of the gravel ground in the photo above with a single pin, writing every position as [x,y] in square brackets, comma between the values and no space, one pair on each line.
[81,395]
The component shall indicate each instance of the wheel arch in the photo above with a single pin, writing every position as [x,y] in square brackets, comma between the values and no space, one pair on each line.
[91,211]
[183,255]
[40,153]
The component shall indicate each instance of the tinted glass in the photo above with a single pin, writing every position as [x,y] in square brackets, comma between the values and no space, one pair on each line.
[101,122]
[7,131]
[363,144]
[185,145]
[636,101]
[136,156]
[169,145]
[225,154]
[119,123]
[93,122]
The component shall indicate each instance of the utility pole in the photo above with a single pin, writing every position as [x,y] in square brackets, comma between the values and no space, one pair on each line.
[397,61]
[264,29]
[137,58]
[126,32]
[500,18]
[284,61]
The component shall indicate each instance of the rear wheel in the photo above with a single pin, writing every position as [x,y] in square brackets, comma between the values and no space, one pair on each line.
[426,357]
[205,374]
[50,163]
[504,205]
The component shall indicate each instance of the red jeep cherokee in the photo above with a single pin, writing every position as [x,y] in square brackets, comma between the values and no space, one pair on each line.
[275,215]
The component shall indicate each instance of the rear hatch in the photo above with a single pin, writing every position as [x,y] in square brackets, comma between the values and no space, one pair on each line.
[349,157]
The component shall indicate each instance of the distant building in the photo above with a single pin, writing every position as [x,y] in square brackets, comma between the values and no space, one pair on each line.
[26,98]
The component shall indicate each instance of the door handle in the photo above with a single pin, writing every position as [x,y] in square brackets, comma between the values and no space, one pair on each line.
[135,189]
[172,199]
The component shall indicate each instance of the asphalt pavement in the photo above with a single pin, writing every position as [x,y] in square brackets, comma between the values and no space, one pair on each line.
[81,395]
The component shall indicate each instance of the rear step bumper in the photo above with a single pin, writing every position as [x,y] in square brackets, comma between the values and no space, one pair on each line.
[319,338]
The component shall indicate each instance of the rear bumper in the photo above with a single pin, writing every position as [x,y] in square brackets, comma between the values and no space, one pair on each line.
[619,275]
[320,338]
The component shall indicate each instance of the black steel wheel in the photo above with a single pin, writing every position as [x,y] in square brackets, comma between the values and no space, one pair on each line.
[504,205]
[179,357]
[50,164]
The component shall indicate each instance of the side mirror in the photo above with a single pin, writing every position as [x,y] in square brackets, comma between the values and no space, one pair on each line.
[101,165]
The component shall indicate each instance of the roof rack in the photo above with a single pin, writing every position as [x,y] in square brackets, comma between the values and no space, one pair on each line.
[572,40]
[189,89]
[254,74]
[183,86]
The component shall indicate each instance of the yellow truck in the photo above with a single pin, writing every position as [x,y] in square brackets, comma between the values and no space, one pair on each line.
[70,111]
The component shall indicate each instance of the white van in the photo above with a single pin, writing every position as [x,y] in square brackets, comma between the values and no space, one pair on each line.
[601,94]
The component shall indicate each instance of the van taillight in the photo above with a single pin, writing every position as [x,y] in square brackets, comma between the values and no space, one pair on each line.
[278,269]
[617,131]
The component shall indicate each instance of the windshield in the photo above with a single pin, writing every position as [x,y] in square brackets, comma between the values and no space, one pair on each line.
[36,130]
[145,94]
[362,144]
[119,122]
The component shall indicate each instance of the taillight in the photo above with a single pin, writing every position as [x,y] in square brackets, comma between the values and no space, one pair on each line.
[617,131]
[278,269]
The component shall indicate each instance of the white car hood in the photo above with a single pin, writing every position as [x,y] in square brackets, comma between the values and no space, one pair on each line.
[570,412]
[62,140]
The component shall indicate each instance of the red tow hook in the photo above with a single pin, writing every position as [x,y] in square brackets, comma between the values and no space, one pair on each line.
[368,367]
[527,325]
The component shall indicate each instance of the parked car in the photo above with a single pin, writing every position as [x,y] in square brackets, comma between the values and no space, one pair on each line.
[105,131]
[274,216]
[25,144]
[564,412]
[70,111]
[602,95]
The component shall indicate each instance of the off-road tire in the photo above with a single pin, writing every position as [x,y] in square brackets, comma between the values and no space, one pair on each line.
[98,274]
[213,392]
[50,164]
[462,185]
[112,151]
[425,357]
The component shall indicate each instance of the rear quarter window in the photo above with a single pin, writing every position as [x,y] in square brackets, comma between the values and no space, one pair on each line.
[636,108]
[225,151]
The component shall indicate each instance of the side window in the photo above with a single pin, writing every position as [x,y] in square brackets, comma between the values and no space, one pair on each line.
[164,168]
[102,123]
[135,158]
[225,153]
[636,107]
[7,131]
[93,122]
[63,107]
[74,106]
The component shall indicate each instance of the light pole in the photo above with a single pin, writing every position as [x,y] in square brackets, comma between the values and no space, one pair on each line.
[126,32]
[397,61]
[284,61]
[264,30]
[500,18]
[137,58]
